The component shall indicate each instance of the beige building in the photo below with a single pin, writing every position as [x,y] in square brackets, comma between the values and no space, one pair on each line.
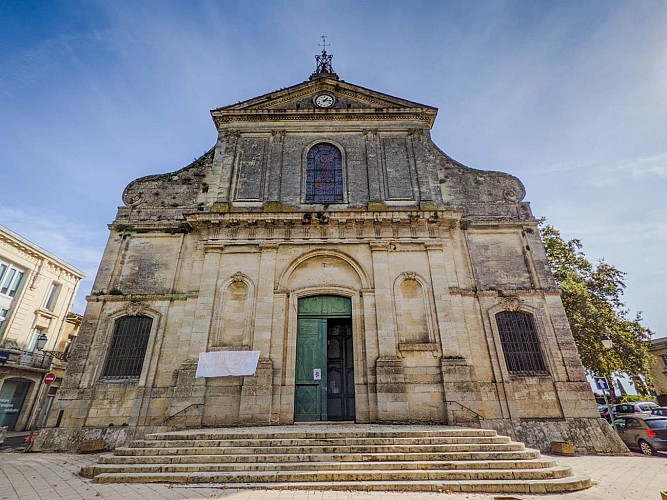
[659,369]
[379,280]
[37,290]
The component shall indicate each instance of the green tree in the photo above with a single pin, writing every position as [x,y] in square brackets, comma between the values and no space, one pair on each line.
[592,296]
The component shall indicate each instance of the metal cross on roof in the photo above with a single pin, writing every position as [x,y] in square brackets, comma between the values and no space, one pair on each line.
[324,59]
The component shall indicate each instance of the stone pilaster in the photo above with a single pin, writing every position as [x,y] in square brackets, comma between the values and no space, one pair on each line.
[384,307]
[256,395]
[392,399]
[264,307]
[462,393]
[257,390]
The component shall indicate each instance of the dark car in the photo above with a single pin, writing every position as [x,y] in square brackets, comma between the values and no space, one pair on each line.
[604,413]
[646,433]
[660,410]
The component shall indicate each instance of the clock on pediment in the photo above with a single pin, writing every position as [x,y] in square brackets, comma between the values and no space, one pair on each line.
[324,100]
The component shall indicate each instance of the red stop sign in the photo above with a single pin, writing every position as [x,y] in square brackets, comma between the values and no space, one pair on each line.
[49,378]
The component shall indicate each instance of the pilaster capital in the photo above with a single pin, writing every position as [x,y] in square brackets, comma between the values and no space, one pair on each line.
[379,246]
[213,247]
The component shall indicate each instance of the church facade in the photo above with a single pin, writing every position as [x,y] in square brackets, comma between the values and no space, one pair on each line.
[381,281]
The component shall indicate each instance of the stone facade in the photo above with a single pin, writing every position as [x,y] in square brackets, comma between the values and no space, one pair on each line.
[659,369]
[37,290]
[426,251]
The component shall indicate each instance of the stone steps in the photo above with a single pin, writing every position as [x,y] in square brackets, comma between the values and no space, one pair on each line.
[342,441]
[194,476]
[178,466]
[300,450]
[525,454]
[336,457]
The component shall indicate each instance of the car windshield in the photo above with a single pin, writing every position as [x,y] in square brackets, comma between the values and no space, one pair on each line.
[656,423]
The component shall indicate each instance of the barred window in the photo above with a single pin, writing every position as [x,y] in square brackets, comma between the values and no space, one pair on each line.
[128,347]
[520,343]
[324,174]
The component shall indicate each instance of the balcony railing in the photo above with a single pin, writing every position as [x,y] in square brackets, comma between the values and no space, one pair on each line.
[15,357]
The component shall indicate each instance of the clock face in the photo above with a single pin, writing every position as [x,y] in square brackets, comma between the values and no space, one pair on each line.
[324,100]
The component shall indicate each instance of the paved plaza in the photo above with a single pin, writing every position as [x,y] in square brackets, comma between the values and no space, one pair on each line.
[52,476]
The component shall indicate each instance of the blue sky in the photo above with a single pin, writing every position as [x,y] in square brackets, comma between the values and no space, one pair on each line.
[568,96]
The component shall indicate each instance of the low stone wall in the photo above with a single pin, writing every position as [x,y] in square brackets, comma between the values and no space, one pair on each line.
[64,439]
[590,436]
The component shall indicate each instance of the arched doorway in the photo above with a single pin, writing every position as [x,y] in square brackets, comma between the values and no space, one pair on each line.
[324,389]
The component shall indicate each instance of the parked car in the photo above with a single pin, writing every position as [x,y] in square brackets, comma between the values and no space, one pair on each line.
[646,433]
[660,410]
[604,412]
[638,407]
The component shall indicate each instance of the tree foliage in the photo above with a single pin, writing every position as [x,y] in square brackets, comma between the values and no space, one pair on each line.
[592,296]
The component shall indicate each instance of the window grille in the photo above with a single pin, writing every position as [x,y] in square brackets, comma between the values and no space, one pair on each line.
[324,174]
[128,347]
[520,343]
[664,360]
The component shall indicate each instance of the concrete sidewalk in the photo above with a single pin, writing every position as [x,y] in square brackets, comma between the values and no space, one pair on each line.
[52,476]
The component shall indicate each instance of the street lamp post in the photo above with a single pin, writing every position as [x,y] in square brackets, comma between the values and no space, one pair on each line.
[41,343]
[608,344]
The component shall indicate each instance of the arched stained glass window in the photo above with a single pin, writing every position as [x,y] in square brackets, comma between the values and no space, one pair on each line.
[324,174]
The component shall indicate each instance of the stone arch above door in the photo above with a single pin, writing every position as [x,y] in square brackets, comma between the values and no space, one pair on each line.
[321,268]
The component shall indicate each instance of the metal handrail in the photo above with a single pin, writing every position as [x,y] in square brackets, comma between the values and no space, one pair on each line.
[465,407]
[16,357]
[181,411]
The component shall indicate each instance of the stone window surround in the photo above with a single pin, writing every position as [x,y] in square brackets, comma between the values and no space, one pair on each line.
[304,165]
[106,343]
[542,337]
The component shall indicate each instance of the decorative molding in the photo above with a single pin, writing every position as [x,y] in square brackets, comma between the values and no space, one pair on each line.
[238,277]
[278,135]
[135,308]
[310,116]
[511,303]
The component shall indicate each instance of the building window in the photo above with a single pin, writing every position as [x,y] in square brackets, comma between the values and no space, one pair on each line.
[32,342]
[3,317]
[324,174]
[52,297]
[664,360]
[520,344]
[128,347]
[10,279]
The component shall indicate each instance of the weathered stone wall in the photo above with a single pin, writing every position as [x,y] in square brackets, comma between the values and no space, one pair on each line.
[427,250]
[590,436]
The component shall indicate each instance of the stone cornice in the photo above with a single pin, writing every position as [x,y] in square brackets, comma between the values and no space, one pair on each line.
[34,253]
[271,115]
[525,292]
[140,297]
[411,216]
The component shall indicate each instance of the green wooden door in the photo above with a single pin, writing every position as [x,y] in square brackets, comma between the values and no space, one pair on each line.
[310,397]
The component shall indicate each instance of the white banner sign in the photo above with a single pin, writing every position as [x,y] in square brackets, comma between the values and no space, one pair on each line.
[227,363]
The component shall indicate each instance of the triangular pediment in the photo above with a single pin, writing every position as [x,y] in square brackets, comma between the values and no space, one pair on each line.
[300,99]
